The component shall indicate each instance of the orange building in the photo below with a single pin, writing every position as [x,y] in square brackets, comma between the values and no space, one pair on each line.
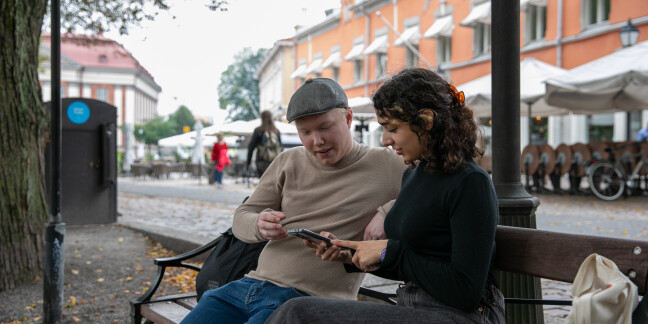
[361,42]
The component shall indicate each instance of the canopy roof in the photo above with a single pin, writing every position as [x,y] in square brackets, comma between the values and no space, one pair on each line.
[532,74]
[616,82]
[442,27]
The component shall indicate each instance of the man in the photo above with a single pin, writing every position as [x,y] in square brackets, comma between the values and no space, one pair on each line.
[642,135]
[330,184]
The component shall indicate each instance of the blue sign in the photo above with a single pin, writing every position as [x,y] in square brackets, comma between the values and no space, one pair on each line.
[78,112]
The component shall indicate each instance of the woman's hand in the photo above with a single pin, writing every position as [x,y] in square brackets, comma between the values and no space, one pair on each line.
[375,230]
[367,254]
[329,253]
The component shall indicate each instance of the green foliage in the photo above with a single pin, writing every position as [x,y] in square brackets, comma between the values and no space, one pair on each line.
[102,15]
[182,117]
[238,91]
[154,130]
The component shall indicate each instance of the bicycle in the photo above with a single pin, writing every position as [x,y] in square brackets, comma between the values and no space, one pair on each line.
[608,180]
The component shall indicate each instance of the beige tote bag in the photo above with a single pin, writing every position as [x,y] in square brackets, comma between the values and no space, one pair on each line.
[602,294]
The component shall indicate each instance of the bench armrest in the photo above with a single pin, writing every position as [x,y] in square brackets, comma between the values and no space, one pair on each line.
[177,260]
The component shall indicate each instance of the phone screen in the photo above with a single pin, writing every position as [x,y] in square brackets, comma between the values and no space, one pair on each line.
[309,235]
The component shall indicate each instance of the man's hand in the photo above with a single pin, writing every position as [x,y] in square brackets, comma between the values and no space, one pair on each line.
[269,227]
[375,230]
[367,254]
[329,253]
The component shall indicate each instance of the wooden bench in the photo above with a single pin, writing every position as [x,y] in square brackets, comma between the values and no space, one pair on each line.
[540,253]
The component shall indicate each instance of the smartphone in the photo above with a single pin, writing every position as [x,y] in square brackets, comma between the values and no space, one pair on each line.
[309,235]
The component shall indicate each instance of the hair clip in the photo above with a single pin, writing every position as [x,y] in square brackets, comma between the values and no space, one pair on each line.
[459,95]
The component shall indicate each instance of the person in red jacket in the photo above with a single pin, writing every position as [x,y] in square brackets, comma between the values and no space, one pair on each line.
[220,158]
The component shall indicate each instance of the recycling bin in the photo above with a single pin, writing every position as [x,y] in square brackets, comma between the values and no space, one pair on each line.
[89,162]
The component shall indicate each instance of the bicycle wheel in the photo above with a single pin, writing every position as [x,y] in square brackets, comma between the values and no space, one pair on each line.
[606,181]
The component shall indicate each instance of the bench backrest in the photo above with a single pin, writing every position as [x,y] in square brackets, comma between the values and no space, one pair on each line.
[558,256]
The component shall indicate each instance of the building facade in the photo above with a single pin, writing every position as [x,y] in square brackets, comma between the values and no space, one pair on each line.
[273,72]
[362,42]
[100,68]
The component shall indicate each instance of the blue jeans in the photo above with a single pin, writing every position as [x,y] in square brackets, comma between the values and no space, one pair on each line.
[242,301]
[218,176]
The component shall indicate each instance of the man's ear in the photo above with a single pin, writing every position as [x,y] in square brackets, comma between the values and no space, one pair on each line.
[349,116]
[429,118]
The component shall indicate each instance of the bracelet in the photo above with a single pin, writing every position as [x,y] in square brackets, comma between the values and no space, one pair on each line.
[382,255]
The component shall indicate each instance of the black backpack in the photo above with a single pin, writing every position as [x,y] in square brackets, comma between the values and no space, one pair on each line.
[230,260]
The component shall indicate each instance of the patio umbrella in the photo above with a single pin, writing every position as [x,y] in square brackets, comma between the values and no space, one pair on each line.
[198,155]
[616,82]
[532,74]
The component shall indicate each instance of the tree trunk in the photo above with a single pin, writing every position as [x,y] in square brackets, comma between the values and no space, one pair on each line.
[23,127]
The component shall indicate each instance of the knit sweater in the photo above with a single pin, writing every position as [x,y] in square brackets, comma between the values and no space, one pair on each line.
[340,199]
[441,233]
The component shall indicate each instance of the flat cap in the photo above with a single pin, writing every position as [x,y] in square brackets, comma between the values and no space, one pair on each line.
[316,96]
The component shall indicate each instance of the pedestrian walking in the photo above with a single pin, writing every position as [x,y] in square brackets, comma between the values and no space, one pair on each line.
[266,140]
[220,159]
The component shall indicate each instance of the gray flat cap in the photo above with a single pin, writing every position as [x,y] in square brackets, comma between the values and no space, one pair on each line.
[316,96]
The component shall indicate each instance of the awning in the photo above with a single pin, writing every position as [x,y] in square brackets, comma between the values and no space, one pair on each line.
[442,27]
[299,73]
[537,3]
[315,67]
[379,45]
[411,35]
[332,61]
[479,14]
[355,54]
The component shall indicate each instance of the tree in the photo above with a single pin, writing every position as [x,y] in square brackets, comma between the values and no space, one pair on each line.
[182,117]
[25,123]
[154,130]
[238,91]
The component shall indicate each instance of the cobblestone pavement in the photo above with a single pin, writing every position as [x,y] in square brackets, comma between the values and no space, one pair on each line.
[169,211]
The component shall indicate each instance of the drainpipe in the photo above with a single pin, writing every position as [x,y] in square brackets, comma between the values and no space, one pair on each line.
[559,35]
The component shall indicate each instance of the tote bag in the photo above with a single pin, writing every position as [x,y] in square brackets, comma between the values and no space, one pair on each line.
[602,294]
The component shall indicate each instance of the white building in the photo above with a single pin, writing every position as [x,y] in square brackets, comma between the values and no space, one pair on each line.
[100,68]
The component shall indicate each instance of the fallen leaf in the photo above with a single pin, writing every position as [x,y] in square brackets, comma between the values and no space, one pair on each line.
[625,232]
[88,262]
[100,280]
[100,249]
[98,271]
[76,319]
[120,240]
[129,278]
[97,314]
[74,271]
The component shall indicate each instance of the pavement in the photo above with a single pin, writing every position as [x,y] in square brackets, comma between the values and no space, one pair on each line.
[185,213]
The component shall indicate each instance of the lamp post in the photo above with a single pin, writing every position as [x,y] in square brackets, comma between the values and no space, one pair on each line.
[629,35]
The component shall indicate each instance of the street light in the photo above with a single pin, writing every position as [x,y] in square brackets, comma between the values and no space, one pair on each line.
[629,34]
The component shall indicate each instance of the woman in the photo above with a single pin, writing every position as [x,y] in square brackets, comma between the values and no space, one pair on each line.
[266,139]
[441,228]
[220,158]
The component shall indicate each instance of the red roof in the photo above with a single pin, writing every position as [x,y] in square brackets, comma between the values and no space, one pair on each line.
[96,51]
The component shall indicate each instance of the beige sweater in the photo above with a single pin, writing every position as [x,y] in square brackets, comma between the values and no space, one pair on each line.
[340,199]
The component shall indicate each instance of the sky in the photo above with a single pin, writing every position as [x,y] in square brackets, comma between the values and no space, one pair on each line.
[187,55]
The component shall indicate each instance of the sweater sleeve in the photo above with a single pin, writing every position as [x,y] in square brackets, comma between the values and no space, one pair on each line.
[267,196]
[472,208]
[215,152]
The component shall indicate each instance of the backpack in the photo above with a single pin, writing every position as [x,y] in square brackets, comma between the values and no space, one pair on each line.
[230,260]
[269,147]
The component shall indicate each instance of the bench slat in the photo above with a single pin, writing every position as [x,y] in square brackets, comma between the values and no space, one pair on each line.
[188,303]
[558,256]
[164,312]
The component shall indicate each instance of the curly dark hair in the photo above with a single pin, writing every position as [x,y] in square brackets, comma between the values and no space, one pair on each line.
[451,141]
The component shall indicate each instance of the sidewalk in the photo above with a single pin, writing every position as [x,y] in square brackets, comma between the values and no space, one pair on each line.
[164,211]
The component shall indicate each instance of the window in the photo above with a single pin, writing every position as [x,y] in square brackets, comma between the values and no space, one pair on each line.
[444,49]
[481,39]
[63,92]
[336,74]
[357,71]
[102,94]
[535,23]
[595,11]
[381,65]
[411,57]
